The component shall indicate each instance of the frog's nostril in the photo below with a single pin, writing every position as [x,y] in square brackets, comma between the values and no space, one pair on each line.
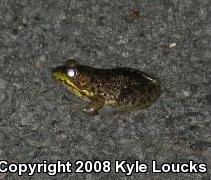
[55,73]
[54,70]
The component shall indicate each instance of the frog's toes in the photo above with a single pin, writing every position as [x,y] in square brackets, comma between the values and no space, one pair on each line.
[91,111]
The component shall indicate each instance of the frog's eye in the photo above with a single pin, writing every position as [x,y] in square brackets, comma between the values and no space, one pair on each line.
[71,72]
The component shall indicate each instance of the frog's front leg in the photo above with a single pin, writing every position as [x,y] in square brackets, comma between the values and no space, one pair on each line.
[97,102]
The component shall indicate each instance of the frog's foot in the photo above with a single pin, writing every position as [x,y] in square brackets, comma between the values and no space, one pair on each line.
[88,110]
[97,102]
[91,111]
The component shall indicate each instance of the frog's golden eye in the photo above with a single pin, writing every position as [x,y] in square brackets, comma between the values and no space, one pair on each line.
[71,72]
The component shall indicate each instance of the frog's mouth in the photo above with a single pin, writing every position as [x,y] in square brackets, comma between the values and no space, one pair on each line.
[64,79]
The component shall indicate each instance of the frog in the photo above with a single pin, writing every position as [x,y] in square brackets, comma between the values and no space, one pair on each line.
[123,88]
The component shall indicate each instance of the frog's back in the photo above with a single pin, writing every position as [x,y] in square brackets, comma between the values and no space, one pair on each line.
[124,76]
[141,89]
[125,87]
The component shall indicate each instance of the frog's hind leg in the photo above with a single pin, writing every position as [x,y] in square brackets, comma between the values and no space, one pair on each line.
[136,98]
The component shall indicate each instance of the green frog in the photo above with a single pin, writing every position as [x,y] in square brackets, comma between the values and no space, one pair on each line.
[124,88]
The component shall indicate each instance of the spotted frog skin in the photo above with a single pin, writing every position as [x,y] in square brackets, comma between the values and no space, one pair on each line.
[124,88]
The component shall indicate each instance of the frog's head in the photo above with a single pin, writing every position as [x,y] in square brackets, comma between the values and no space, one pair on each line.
[74,77]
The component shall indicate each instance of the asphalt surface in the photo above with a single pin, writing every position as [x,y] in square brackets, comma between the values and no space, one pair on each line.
[169,38]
